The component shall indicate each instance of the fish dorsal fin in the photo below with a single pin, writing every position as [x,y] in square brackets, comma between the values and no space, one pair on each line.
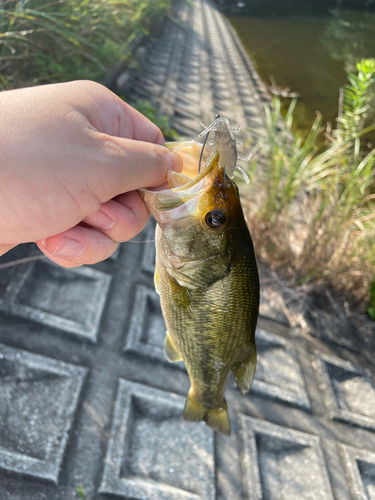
[244,376]
[177,180]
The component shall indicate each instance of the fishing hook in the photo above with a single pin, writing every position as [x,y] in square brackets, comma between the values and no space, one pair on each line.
[200,158]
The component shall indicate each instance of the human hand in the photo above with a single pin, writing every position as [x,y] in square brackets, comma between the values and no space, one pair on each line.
[71,158]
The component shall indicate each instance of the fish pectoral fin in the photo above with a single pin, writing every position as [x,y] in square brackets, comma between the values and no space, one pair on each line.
[244,376]
[157,281]
[216,418]
[170,350]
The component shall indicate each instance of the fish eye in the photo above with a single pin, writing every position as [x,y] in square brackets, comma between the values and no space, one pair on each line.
[215,219]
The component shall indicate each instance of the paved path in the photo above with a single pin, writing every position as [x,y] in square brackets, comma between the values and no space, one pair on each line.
[86,396]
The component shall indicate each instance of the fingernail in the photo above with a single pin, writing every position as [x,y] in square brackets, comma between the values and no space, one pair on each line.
[174,161]
[100,220]
[68,248]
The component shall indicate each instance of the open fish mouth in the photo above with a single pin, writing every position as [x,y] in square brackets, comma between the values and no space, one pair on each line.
[186,186]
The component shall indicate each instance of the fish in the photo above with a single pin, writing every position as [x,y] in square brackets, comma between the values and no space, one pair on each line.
[207,278]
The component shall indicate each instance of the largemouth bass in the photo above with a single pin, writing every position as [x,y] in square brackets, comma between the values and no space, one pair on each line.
[207,278]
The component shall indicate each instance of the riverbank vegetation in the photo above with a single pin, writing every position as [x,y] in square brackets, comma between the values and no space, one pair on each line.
[313,202]
[45,41]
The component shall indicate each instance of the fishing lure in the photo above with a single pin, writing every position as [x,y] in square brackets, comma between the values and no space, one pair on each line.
[225,144]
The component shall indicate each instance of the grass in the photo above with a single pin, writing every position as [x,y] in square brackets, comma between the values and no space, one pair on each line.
[314,215]
[81,492]
[45,41]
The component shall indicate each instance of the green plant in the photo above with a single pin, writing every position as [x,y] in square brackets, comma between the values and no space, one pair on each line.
[81,492]
[315,212]
[45,41]
[289,159]
[355,102]
[371,309]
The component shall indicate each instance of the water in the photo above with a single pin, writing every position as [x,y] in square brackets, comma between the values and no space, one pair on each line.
[310,53]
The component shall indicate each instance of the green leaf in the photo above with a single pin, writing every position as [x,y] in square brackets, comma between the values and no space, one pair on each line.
[81,492]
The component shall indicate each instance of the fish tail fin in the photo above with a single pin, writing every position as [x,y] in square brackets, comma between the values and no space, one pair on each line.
[216,418]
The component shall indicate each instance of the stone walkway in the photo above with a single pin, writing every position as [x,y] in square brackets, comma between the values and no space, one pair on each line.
[87,399]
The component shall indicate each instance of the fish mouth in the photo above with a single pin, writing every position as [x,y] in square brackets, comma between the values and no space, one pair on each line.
[196,182]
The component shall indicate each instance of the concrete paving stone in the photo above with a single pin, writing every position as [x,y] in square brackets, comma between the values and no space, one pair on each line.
[221,92]
[278,374]
[38,401]
[71,300]
[192,107]
[333,330]
[189,71]
[147,329]
[114,257]
[191,65]
[222,106]
[154,80]
[271,305]
[152,86]
[185,123]
[6,274]
[251,111]
[360,470]
[149,253]
[137,93]
[281,463]
[184,91]
[153,454]
[349,392]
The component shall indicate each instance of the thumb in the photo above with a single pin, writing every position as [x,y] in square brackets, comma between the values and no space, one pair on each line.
[127,164]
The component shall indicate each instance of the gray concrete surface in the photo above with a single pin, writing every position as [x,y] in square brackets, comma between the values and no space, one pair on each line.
[87,398]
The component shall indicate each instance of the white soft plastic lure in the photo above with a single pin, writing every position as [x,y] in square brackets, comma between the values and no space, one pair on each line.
[225,143]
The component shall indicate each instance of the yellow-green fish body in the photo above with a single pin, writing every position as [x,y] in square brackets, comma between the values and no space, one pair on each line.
[207,278]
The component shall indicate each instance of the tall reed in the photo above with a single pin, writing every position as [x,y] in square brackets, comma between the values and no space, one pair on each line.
[44,41]
[315,214]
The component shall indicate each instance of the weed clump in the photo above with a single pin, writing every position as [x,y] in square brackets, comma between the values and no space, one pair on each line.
[313,203]
[45,41]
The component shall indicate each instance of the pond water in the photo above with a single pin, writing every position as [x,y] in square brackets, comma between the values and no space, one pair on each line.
[310,53]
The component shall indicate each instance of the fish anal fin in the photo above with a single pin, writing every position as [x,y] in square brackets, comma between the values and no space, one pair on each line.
[170,350]
[244,375]
[216,418]
[157,281]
